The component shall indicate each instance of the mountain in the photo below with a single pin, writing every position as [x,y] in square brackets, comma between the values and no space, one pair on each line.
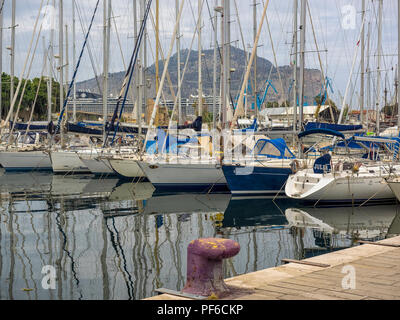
[265,70]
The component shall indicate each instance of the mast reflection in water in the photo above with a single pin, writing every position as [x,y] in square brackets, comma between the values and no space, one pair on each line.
[111,240]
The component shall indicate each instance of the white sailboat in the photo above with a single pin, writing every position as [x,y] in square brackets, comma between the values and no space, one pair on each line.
[347,182]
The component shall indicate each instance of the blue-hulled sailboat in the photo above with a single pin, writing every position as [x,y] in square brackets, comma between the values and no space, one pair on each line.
[265,174]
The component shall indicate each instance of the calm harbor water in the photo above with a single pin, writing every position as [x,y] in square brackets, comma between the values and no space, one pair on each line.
[110,239]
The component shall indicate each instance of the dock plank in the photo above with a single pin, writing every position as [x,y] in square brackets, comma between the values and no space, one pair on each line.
[377,277]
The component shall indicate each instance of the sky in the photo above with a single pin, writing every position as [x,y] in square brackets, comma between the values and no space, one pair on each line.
[330,26]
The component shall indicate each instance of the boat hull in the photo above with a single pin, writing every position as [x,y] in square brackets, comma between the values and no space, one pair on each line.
[394,185]
[25,161]
[97,166]
[127,168]
[64,162]
[182,177]
[263,181]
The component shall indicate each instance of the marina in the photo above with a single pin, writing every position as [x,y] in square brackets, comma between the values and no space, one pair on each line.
[171,150]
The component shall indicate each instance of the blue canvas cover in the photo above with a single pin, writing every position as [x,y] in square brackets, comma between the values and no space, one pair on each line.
[273,148]
[24,127]
[323,164]
[335,127]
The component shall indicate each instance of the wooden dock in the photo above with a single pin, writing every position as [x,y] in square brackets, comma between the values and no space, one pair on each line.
[376,268]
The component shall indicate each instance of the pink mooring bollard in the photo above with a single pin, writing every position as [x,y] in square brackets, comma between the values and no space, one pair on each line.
[204,266]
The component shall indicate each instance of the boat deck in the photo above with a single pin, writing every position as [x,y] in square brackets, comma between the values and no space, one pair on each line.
[377,277]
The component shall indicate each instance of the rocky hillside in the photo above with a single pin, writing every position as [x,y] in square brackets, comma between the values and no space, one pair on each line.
[265,69]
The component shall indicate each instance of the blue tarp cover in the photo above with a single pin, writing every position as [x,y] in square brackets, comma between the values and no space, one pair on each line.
[335,127]
[279,144]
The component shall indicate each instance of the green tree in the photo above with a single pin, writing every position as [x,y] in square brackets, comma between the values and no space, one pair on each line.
[40,112]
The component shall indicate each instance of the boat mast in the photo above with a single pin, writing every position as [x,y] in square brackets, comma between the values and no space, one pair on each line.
[165,70]
[222,76]
[295,55]
[215,67]
[141,68]
[378,80]
[255,60]
[144,61]
[362,86]
[138,98]
[239,108]
[74,57]
[12,66]
[66,81]
[398,64]
[200,111]
[157,44]
[228,59]
[178,56]
[145,64]
[226,63]
[302,60]
[105,68]
[60,63]
[1,59]
[50,67]
[368,74]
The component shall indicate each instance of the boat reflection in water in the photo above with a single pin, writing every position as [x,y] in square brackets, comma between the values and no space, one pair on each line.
[336,228]
[111,240]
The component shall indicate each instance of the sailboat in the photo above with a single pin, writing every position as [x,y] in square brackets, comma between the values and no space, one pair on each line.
[351,180]
[265,174]
[22,150]
[109,159]
[185,176]
[347,179]
[27,154]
